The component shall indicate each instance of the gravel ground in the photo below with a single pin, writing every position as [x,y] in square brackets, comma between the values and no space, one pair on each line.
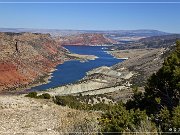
[22,115]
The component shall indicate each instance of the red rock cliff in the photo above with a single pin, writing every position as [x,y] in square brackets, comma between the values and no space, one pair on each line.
[85,39]
[27,58]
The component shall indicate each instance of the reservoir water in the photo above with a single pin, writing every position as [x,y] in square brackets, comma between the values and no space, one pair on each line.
[72,71]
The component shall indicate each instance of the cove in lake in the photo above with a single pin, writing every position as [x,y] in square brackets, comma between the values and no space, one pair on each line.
[72,71]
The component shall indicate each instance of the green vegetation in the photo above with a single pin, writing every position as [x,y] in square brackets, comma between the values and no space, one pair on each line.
[34,95]
[81,102]
[44,96]
[119,119]
[162,94]
[176,117]
[165,84]
[158,106]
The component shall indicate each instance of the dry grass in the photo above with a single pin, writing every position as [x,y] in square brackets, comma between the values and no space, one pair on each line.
[24,115]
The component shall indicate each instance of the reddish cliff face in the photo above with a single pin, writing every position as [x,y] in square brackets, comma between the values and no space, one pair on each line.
[27,58]
[85,39]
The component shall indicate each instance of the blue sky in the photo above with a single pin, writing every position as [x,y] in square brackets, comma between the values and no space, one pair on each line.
[162,16]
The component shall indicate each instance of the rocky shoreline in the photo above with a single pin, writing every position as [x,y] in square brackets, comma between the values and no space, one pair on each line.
[115,79]
[83,57]
[102,80]
[46,79]
[27,60]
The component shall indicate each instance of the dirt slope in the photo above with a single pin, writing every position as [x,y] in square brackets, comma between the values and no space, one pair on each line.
[19,114]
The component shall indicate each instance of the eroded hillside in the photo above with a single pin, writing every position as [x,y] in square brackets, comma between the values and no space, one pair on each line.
[27,58]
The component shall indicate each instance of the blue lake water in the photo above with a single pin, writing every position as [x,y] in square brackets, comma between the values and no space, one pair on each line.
[72,71]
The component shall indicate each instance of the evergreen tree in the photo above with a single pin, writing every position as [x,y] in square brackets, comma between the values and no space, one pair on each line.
[165,84]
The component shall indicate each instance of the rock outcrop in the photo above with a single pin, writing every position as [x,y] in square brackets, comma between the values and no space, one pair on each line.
[27,58]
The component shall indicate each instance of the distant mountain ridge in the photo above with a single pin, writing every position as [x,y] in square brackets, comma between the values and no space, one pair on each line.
[55,32]
[162,41]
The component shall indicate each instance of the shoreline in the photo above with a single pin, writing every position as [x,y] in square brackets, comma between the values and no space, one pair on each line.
[88,45]
[27,88]
[79,57]
[47,76]
[114,56]
[70,88]
[83,57]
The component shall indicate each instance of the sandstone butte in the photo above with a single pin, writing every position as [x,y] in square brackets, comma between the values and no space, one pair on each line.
[26,59]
